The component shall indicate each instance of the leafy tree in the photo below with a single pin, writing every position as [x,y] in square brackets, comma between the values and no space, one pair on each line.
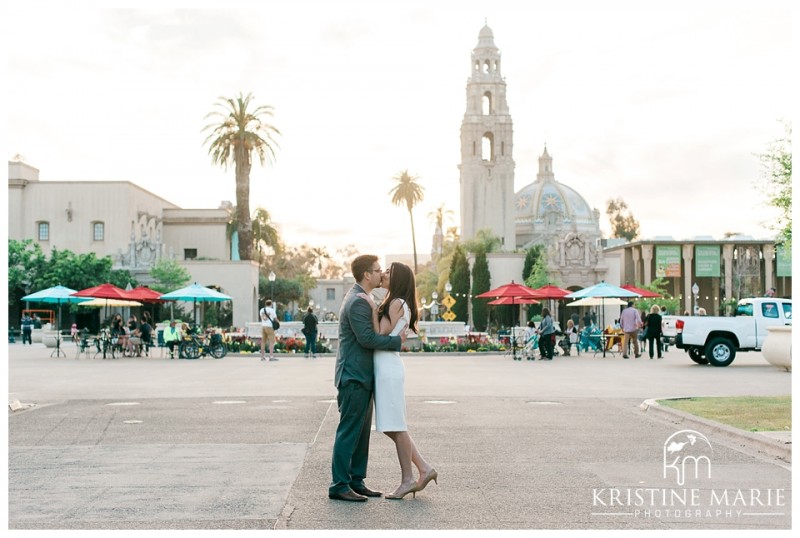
[285,290]
[481,282]
[459,280]
[292,264]
[531,255]
[622,222]
[169,275]
[239,131]
[26,263]
[777,169]
[407,191]
[659,286]
[484,241]
[538,274]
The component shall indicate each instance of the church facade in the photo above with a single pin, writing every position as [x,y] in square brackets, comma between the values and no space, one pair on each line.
[544,212]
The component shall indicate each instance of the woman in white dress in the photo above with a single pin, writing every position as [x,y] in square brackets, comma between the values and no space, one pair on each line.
[397,313]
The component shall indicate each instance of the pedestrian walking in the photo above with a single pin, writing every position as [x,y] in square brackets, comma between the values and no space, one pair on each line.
[309,330]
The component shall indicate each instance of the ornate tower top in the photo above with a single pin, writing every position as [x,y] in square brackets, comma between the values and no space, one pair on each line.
[545,167]
[486,57]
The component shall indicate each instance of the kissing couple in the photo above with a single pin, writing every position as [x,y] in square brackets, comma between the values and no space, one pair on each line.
[368,366]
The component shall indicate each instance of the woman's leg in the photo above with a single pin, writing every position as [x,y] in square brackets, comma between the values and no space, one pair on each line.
[403,444]
[416,458]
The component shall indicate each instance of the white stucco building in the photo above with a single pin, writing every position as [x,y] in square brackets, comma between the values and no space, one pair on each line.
[134,227]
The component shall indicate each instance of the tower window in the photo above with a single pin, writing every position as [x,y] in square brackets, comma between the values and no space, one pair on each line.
[473,148]
[487,103]
[487,147]
[486,67]
[502,148]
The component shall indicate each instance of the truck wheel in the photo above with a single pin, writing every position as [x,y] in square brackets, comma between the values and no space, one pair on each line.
[697,356]
[720,352]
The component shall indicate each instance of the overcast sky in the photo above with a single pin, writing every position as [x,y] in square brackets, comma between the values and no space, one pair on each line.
[665,107]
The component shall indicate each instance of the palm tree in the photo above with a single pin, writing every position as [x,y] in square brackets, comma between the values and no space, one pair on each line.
[320,253]
[408,192]
[264,233]
[438,216]
[238,132]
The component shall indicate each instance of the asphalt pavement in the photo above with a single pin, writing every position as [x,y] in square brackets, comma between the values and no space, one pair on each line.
[237,443]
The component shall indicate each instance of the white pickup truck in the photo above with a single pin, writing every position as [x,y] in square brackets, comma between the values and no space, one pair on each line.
[715,340]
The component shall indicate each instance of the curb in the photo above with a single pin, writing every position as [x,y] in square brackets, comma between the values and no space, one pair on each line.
[741,438]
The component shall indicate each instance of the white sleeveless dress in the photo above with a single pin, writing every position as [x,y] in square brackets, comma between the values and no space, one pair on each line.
[390,376]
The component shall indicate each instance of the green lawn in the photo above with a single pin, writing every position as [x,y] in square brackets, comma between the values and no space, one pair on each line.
[751,413]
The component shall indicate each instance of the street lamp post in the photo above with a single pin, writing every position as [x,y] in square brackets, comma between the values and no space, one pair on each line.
[434,306]
[696,292]
[271,278]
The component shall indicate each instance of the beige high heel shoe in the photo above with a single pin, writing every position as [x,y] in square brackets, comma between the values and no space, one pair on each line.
[400,493]
[423,480]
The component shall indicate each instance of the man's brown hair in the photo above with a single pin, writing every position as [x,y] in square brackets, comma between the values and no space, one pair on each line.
[361,265]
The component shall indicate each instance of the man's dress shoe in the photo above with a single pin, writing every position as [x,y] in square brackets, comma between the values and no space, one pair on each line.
[347,496]
[367,492]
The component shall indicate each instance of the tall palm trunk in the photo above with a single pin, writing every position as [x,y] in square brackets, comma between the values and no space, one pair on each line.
[413,239]
[244,224]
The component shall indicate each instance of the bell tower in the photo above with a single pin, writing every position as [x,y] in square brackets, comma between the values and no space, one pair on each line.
[487,167]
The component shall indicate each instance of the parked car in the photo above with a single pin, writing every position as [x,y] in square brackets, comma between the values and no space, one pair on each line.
[716,340]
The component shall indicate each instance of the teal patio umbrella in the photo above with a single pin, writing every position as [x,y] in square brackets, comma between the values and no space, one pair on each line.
[56,295]
[195,293]
[603,291]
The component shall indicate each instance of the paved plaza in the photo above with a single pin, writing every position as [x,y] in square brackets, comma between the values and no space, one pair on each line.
[236,443]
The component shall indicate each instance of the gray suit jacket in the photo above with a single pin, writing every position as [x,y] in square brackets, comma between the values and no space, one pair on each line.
[358,340]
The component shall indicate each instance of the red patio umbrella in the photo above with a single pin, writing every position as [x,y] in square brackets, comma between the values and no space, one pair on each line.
[103,291]
[145,295]
[516,293]
[513,301]
[641,291]
[550,292]
[509,290]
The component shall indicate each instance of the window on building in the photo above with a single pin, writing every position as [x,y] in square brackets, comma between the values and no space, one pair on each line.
[330,294]
[487,147]
[487,103]
[98,231]
[189,253]
[43,231]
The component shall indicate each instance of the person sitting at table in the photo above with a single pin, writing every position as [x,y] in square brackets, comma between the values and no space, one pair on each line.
[145,333]
[134,341]
[172,338]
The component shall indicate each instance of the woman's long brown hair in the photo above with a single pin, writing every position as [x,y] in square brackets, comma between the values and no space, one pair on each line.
[402,285]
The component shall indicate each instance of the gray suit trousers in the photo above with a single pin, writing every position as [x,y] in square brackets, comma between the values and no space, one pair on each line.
[351,445]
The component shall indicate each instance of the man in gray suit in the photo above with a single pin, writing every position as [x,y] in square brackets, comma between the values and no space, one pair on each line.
[355,381]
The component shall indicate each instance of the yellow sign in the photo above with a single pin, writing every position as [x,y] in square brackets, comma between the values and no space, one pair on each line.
[448,316]
[449,301]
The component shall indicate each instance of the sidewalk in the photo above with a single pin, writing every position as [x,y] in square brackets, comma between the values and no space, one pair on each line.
[238,443]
